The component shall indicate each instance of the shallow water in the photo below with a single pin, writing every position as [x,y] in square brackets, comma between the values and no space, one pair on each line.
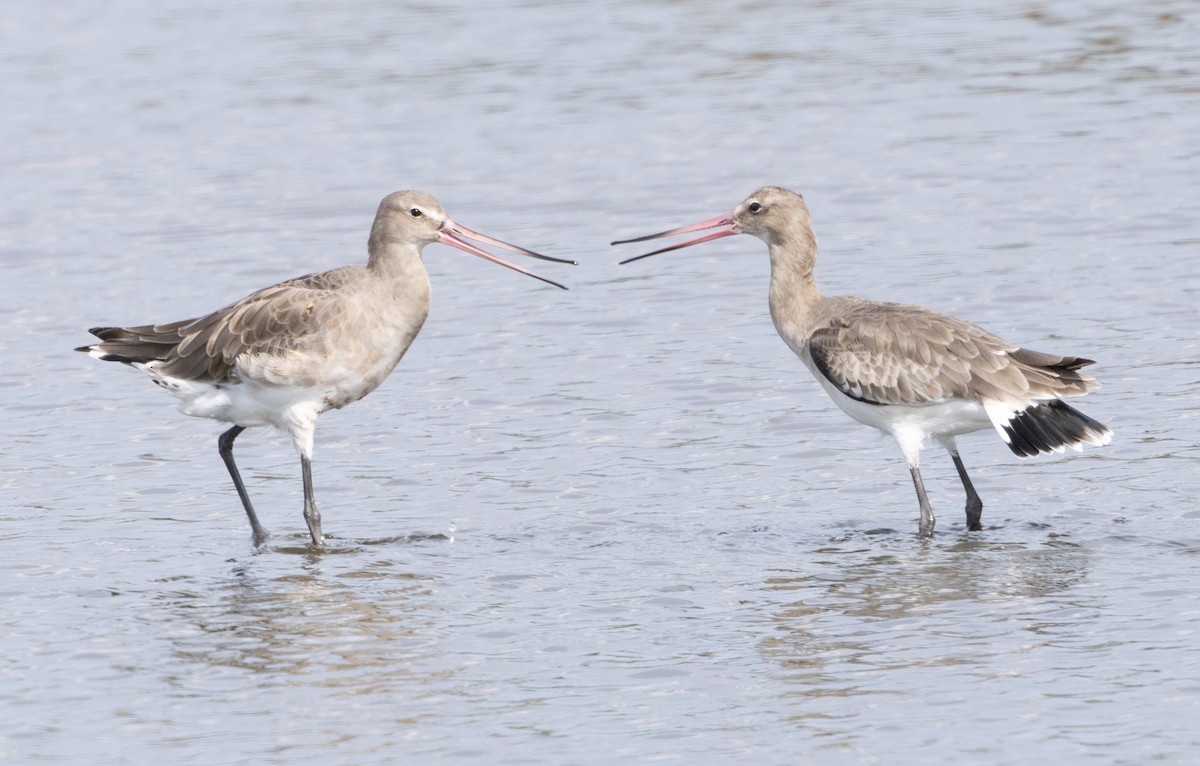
[616,524]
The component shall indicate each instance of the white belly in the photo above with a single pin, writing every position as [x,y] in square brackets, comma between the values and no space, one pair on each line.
[912,425]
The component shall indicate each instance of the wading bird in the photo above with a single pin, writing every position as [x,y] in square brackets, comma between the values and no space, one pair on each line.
[908,371]
[284,354]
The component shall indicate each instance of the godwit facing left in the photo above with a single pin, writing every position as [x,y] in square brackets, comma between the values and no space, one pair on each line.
[911,372]
[284,354]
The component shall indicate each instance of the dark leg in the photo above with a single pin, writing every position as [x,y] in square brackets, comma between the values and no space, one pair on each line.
[225,446]
[927,519]
[974,504]
[311,515]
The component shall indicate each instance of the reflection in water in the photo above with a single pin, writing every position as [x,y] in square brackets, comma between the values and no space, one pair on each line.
[309,626]
[866,619]
[890,584]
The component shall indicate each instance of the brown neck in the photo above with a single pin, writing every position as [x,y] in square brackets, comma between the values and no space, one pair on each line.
[792,262]
[794,297]
[388,256]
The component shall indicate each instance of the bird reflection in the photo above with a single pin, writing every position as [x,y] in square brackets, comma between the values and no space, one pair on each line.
[311,625]
[866,607]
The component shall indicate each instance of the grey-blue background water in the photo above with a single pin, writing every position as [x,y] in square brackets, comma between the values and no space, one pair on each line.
[618,524]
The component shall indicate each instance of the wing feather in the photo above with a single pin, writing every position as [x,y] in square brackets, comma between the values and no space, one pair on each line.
[274,320]
[887,353]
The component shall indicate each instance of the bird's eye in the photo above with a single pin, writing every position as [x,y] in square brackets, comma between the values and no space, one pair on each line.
[416,212]
[754,207]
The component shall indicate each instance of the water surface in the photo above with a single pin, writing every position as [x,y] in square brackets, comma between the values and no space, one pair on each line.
[616,524]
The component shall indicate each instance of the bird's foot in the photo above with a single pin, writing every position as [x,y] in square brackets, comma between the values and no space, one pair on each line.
[314,526]
[927,523]
[974,514]
[258,535]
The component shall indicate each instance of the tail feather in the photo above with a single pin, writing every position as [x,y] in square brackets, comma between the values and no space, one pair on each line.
[1053,361]
[1053,375]
[1051,426]
[133,345]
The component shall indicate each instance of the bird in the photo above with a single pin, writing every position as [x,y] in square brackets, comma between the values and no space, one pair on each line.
[284,354]
[911,372]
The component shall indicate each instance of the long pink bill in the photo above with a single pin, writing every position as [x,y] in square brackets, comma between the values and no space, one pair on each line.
[452,234]
[722,220]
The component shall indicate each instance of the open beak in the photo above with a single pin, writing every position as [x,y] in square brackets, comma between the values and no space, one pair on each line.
[725,221]
[453,234]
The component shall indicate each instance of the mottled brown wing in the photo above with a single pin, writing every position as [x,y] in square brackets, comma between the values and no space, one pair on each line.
[273,320]
[887,353]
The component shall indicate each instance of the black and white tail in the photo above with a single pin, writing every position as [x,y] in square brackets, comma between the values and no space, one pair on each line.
[1037,420]
[1051,426]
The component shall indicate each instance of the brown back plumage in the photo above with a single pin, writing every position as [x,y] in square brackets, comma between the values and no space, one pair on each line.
[273,320]
[892,353]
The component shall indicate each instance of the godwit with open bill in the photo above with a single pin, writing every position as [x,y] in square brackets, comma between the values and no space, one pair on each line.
[284,354]
[909,371]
